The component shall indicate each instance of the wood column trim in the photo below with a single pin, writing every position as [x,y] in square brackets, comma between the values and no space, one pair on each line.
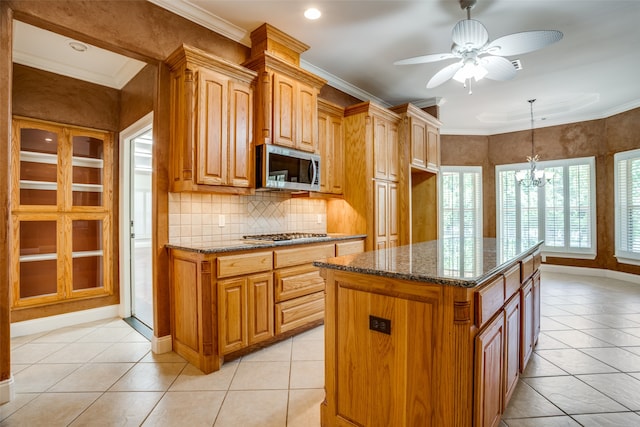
[6,72]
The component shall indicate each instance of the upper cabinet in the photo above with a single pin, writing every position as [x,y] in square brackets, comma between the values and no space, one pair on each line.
[422,132]
[331,144]
[212,123]
[287,95]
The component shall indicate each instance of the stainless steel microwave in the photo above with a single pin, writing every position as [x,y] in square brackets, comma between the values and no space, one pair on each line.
[281,168]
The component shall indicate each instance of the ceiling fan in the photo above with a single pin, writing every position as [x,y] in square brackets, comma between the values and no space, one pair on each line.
[480,58]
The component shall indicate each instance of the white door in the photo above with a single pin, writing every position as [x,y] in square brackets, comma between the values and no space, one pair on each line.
[141,268]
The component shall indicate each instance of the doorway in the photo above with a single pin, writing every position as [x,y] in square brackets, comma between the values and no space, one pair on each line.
[137,259]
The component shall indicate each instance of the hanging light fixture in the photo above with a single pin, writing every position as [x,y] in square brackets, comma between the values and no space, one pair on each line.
[533,177]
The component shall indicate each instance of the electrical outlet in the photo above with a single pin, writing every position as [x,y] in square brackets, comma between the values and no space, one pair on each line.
[221,220]
[380,325]
[319,219]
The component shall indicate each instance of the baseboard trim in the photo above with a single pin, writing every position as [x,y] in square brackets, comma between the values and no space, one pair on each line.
[46,324]
[586,271]
[7,390]
[161,345]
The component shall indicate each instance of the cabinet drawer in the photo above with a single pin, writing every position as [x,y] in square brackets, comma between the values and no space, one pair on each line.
[302,255]
[297,281]
[348,248]
[526,268]
[537,260]
[235,265]
[489,299]
[299,311]
[511,281]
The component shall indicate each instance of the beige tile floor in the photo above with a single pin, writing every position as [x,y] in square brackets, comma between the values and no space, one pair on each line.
[585,372]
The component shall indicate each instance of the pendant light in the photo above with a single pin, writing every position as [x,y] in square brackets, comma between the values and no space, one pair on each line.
[533,177]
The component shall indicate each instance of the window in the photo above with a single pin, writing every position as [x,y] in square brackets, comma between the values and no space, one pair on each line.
[562,213]
[461,220]
[627,206]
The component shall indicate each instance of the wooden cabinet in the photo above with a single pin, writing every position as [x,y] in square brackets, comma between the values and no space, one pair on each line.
[512,348]
[294,113]
[287,95]
[211,121]
[62,198]
[245,303]
[386,215]
[526,319]
[421,132]
[331,144]
[246,311]
[299,287]
[371,188]
[385,148]
[446,355]
[536,306]
[236,302]
[489,373]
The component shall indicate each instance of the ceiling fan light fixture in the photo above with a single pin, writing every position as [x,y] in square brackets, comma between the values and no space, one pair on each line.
[470,70]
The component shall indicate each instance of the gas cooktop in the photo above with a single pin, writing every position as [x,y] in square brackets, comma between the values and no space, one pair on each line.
[277,237]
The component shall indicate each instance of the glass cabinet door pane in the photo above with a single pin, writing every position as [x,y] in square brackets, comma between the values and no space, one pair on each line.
[38,258]
[87,171]
[38,167]
[87,254]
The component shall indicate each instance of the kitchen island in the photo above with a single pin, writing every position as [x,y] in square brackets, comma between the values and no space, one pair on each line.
[429,334]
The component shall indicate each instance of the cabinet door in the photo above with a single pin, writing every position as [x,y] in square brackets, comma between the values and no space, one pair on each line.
[488,373]
[536,307]
[330,143]
[393,152]
[240,134]
[526,326]
[512,347]
[211,144]
[380,220]
[433,148]
[284,110]
[418,143]
[232,315]
[392,215]
[306,118]
[380,148]
[260,307]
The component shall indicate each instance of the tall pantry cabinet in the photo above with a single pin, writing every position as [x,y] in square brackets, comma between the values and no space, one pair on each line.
[370,204]
[62,213]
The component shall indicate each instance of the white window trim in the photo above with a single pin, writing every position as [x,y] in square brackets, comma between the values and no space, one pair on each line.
[479,212]
[577,253]
[624,257]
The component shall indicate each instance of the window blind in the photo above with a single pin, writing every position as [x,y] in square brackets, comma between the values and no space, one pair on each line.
[627,206]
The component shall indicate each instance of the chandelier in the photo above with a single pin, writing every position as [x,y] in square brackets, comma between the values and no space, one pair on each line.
[533,177]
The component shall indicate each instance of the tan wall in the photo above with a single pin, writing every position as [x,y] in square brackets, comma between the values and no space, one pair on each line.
[137,96]
[47,96]
[598,138]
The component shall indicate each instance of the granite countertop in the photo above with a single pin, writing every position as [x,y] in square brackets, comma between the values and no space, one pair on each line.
[437,261]
[248,244]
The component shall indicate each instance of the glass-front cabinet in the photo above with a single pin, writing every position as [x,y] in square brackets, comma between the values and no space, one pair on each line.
[62,202]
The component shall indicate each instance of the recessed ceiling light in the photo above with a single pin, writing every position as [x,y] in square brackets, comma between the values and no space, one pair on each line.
[77,46]
[312,13]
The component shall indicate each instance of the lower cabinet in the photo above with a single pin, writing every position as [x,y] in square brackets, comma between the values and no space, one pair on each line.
[527,313]
[490,344]
[245,311]
[536,307]
[512,347]
[225,303]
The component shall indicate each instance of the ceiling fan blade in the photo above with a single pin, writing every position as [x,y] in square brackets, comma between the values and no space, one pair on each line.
[498,68]
[519,43]
[470,34]
[443,75]
[425,58]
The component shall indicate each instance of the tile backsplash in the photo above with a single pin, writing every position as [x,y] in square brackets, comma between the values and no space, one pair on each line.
[202,218]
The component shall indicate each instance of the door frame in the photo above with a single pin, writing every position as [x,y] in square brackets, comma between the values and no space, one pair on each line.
[143,124]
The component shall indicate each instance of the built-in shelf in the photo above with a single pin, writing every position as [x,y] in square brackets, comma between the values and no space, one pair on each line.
[26,184]
[38,257]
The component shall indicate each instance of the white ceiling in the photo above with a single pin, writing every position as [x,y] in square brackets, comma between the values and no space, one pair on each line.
[592,73]
[38,48]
